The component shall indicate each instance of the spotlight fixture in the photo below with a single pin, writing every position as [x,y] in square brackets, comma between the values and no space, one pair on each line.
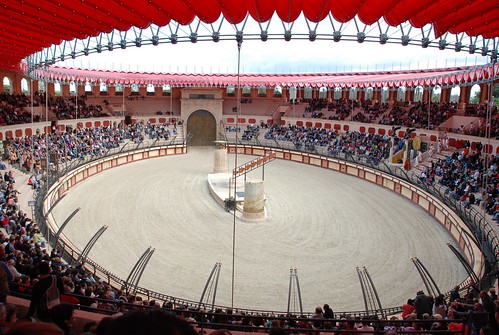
[472,49]
[425,42]
[110,46]
[62,57]
[239,36]
[312,35]
[264,35]
[193,37]
[85,51]
[123,44]
[336,36]
[405,40]
[287,35]
[493,56]
[458,46]
[155,40]
[73,54]
[215,36]
[383,38]
[485,51]
[361,37]
[98,48]
[138,42]
[173,38]
[442,44]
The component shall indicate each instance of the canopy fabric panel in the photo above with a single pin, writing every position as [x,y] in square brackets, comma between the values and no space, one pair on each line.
[409,78]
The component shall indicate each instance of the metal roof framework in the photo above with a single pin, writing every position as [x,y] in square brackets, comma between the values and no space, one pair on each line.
[328,29]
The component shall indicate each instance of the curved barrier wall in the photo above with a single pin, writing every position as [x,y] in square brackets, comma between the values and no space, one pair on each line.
[454,225]
[446,217]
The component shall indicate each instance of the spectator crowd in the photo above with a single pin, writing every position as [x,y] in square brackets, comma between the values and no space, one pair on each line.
[26,259]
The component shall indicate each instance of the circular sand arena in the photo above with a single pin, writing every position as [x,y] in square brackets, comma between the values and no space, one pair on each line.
[323,223]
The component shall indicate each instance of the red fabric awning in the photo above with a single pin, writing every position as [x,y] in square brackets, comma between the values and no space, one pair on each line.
[409,78]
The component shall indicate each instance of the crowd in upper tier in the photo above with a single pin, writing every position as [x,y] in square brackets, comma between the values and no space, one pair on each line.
[15,109]
[348,143]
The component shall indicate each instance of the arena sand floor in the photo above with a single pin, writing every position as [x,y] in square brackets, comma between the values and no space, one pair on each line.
[323,223]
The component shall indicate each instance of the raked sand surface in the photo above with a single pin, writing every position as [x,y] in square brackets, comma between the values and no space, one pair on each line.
[323,223]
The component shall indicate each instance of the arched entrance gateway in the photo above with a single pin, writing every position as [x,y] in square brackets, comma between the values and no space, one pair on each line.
[203,127]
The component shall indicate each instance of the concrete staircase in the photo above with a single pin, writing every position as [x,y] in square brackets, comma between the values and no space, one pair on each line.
[427,162]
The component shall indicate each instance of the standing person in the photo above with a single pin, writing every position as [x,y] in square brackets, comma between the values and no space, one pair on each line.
[422,304]
[5,277]
[454,294]
[439,306]
[407,308]
[328,312]
[318,315]
[46,293]
[489,307]
[492,293]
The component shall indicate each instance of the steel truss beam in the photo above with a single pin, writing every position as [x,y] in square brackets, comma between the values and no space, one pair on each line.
[302,29]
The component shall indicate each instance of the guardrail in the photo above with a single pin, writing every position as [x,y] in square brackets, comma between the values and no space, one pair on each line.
[60,180]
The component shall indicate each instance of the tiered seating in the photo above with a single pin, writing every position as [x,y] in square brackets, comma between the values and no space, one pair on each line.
[94,294]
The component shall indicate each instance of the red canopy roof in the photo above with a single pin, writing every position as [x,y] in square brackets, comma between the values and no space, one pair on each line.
[28,26]
[409,78]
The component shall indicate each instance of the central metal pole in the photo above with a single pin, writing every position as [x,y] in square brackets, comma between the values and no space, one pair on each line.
[235,179]
[47,132]
[430,93]
[76,103]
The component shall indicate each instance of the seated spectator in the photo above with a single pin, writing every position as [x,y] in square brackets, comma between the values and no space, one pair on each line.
[150,322]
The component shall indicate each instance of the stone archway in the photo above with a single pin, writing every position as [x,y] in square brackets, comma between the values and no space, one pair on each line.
[203,127]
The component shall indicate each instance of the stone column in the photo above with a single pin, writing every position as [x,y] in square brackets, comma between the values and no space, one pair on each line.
[253,208]
[392,95]
[464,98]
[220,163]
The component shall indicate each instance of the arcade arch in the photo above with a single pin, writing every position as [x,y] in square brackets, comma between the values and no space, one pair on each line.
[7,85]
[475,94]
[278,91]
[436,94]
[167,89]
[41,87]
[307,93]
[337,93]
[73,89]
[455,93]
[385,94]
[352,94]
[135,89]
[58,89]
[369,93]
[88,88]
[25,89]
[418,94]
[495,94]
[401,93]
[103,88]
[323,93]
[150,89]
